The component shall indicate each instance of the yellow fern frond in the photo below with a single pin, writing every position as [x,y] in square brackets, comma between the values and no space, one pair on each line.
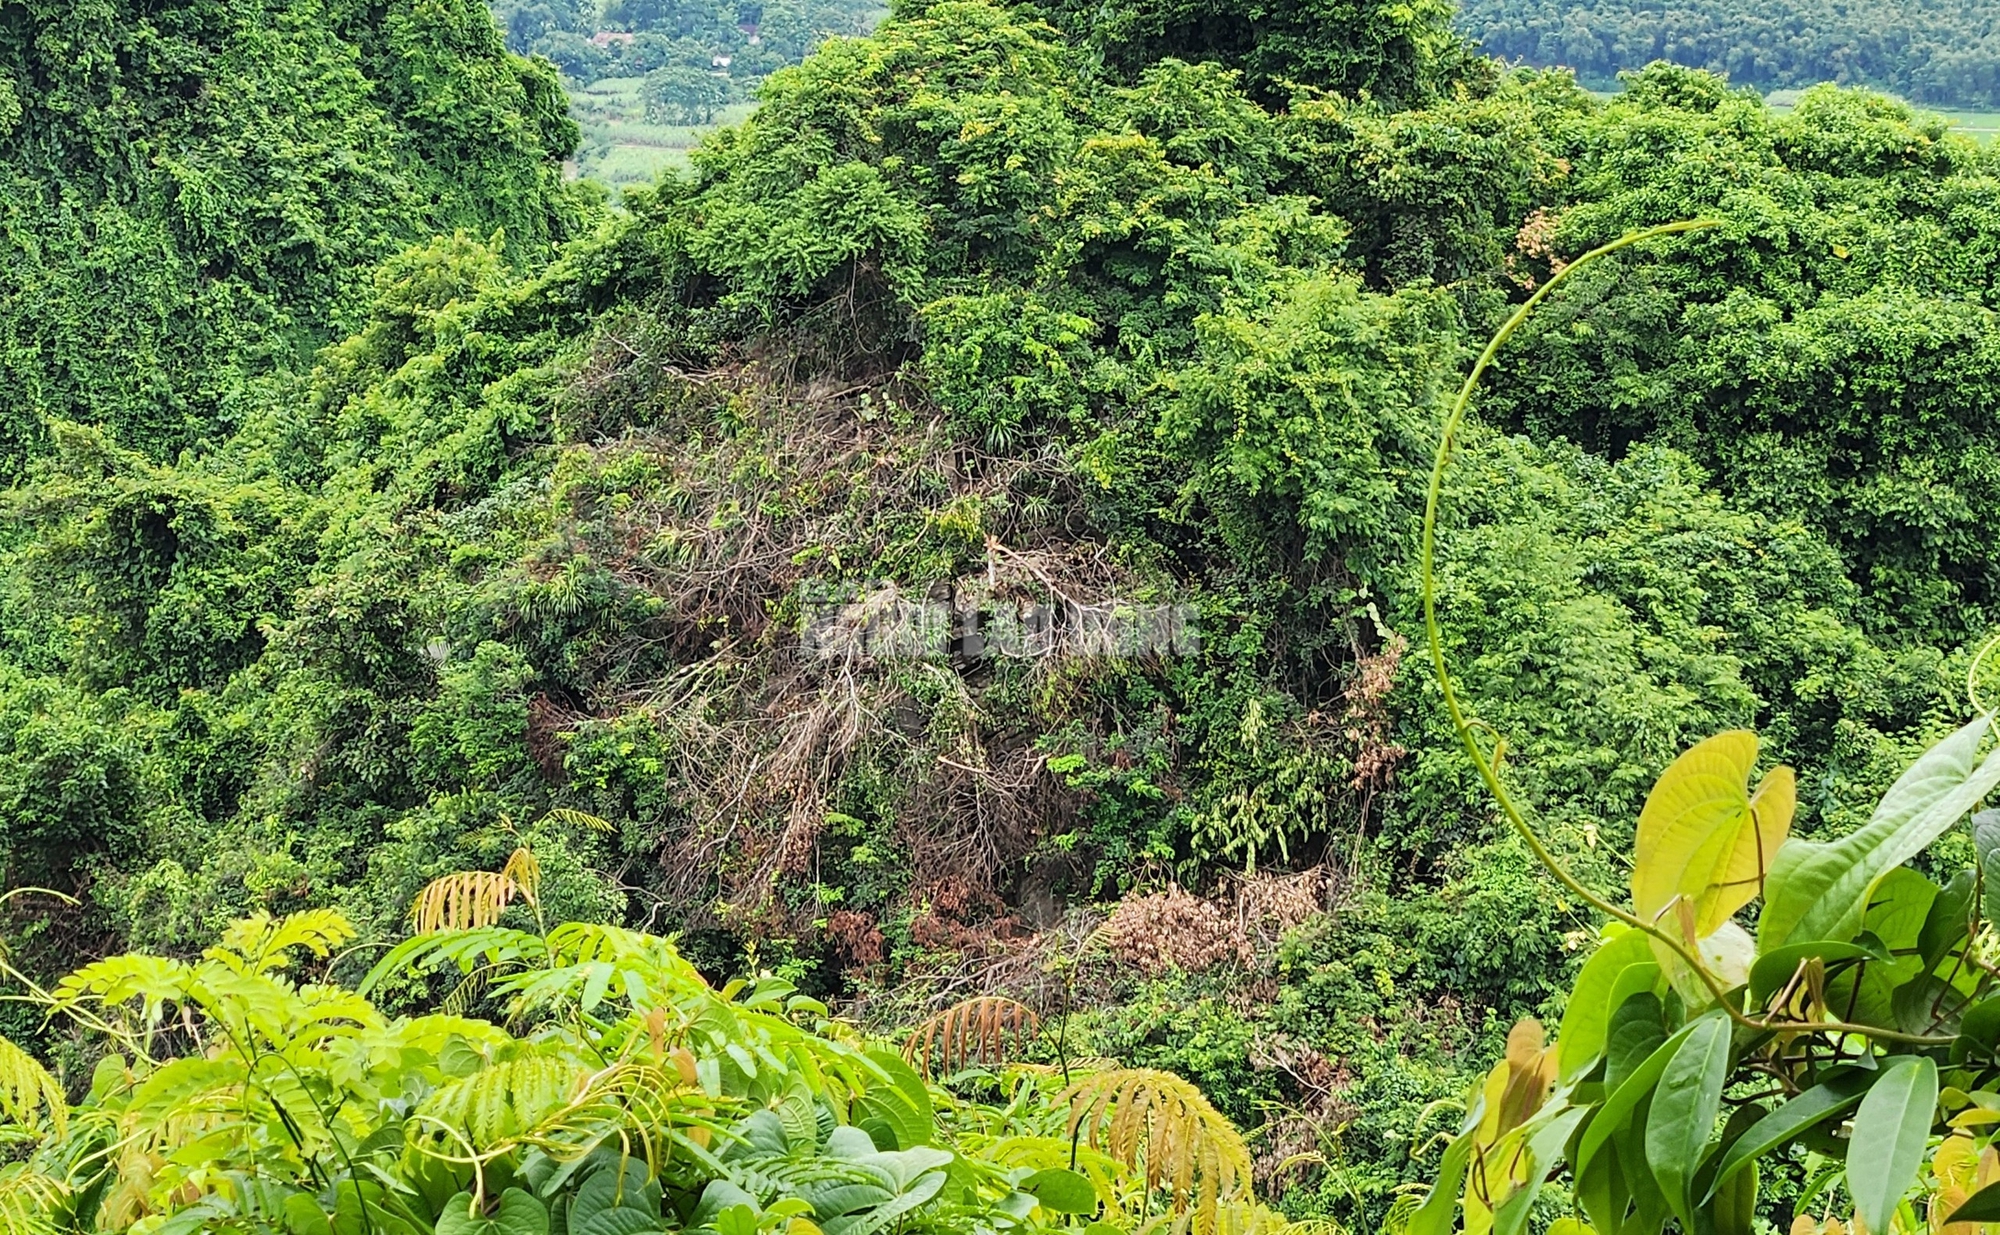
[985,1029]
[1251,1218]
[526,872]
[155,980]
[27,1090]
[463,901]
[581,819]
[28,1199]
[1159,1124]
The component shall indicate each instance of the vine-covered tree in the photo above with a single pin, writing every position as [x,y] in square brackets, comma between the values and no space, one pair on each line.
[194,193]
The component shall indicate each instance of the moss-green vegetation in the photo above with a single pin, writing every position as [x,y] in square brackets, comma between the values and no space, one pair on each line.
[194,196]
[1101,310]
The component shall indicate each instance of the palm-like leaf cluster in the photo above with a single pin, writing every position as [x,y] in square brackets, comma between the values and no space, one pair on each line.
[625,1095]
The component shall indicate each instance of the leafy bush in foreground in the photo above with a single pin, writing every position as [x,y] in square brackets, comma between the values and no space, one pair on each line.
[1860,1023]
[246,1092]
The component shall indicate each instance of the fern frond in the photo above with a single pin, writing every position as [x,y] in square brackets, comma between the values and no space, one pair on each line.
[463,901]
[526,872]
[261,943]
[578,818]
[503,1101]
[494,947]
[1160,1124]
[459,1002]
[27,1090]
[985,1029]
[28,1200]
[154,979]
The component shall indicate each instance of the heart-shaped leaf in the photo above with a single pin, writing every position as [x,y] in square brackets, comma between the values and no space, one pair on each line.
[1061,1191]
[1703,838]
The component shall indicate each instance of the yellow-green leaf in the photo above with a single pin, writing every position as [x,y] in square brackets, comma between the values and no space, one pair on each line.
[1704,838]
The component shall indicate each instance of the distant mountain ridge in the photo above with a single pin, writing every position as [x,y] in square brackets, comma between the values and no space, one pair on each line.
[1939,54]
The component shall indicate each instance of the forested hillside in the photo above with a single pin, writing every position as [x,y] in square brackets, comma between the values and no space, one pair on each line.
[195,194]
[1939,54]
[546,578]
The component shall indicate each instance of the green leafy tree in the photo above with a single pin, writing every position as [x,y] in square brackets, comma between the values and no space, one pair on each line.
[195,196]
[681,94]
[1397,54]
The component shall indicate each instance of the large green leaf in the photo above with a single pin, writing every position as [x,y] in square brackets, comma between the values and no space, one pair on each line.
[1682,1119]
[1950,919]
[1061,1191]
[1622,965]
[1820,890]
[518,1213]
[1616,1112]
[1638,1027]
[1544,1149]
[1734,1208]
[1978,1029]
[918,1194]
[367,1208]
[1986,843]
[1779,1126]
[1981,1206]
[616,1199]
[1890,1130]
[904,1103]
[1702,838]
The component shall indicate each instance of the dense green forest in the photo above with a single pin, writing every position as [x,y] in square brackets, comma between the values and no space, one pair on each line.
[1940,54]
[959,541]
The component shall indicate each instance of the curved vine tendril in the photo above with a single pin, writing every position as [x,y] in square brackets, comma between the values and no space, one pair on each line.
[1986,649]
[1466,726]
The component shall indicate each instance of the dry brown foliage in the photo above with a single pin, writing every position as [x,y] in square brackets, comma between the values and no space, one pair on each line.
[1269,903]
[1173,929]
[1369,721]
[960,916]
[986,1029]
[1535,243]
[856,938]
[763,484]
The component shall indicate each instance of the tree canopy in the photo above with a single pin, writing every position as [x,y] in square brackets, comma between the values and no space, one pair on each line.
[962,533]
[195,192]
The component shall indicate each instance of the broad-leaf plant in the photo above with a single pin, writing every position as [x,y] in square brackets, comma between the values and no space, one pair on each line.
[1759,998]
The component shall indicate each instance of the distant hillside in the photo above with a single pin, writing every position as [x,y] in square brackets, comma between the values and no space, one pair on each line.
[1940,52]
[646,78]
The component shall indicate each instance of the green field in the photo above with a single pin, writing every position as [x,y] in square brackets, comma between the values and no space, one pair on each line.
[619,146]
[1985,125]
